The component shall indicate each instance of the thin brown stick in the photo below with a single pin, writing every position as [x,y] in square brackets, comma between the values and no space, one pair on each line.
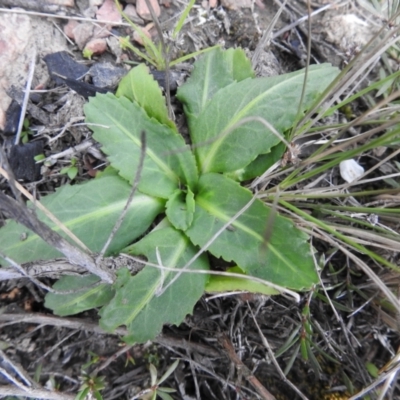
[230,351]
[24,216]
[90,326]
[111,359]
[17,193]
[25,274]
[272,357]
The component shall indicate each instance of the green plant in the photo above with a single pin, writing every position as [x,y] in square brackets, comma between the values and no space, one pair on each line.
[87,53]
[158,55]
[237,124]
[25,132]
[91,384]
[71,170]
[155,388]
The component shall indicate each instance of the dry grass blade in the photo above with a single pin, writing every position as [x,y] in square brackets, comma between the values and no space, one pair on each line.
[135,185]
[26,96]
[261,390]
[272,357]
[365,268]
[22,215]
[45,210]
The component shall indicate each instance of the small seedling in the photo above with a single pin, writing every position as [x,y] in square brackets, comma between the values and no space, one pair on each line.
[154,53]
[155,388]
[25,131]
[87,53]
[71,170]
[39,157]
[91,385]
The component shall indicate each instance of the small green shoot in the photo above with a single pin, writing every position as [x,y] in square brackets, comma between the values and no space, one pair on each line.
[154,54]
[25,131]
[372,369]
[91,387]
[71,170]
[91,384]
[87,53]
[39,157]
[155,388]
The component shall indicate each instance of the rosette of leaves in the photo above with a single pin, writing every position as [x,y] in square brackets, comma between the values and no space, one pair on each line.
[191,186]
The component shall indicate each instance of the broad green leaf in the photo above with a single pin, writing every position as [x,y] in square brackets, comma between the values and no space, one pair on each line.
[136,303]
[180,209]
[221,146]
[140,86]
[90,211]
[259,165]
[82,298]
[223,284]
[212,72]
[117,125]
[285,260]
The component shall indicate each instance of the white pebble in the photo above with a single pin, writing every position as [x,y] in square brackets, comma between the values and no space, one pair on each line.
[350,170]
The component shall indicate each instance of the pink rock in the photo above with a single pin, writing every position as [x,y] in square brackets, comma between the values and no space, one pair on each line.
[131,13]
[109,12]
[96,46]
[146,31]
[144,12]
[102,31]
[69,28]
[83,33]
[213,3]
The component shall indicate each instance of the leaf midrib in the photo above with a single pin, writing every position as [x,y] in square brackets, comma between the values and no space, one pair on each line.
[211,152]
[216,212]
[150,153]
[179,250]
[98,213]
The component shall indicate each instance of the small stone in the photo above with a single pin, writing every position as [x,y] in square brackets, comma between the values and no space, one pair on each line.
[109,12]
[347,31]
[144,12]
[131,13]
[114,47]
[69,28]
[96,46]
[95,3]
[83,33]
[350,170]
